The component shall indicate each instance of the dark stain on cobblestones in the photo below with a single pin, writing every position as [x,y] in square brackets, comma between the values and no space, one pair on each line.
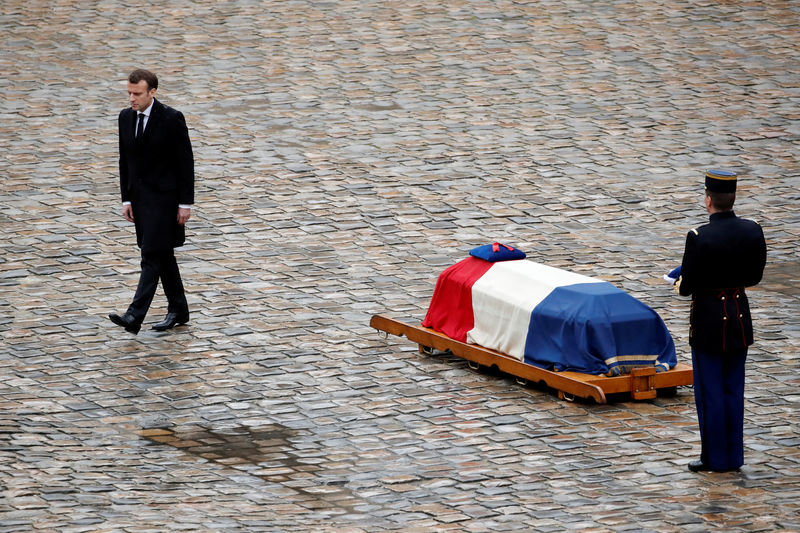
[270,448]
[232,445]
[381,107]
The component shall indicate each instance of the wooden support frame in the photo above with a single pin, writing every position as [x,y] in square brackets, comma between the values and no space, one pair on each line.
[641,383]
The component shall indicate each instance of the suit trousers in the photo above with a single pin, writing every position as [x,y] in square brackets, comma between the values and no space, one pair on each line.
[159,265]
[719,397]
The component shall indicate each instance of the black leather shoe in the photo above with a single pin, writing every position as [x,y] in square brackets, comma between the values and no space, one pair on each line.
[698,466]
[171,320]
[127,321]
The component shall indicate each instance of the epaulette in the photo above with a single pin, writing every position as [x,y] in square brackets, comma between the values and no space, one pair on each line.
[695,231]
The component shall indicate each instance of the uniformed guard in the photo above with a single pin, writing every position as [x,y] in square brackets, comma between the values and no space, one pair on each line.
[720,259]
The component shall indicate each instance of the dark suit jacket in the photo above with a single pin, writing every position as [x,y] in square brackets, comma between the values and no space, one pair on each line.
[156,173]
[720,259]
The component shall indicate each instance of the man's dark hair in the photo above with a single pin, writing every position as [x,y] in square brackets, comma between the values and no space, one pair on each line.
[721,201]
[140,74]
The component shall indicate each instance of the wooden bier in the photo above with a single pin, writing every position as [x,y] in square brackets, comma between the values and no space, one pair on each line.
[641,383]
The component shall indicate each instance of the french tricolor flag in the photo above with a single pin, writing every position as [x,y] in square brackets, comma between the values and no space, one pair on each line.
[548,317]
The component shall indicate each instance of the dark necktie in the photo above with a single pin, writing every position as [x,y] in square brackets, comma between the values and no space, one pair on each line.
[140,126]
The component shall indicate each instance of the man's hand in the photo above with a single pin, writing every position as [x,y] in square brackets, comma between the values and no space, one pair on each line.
[127,212]
[183,215]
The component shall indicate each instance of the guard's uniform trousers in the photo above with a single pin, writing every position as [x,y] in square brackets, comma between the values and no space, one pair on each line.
[719,397]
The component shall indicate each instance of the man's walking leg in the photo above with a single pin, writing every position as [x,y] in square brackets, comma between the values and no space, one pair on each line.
[146,290]
[173,285]
[177,307]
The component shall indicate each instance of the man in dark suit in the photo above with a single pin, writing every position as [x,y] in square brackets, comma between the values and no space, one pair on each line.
[156,176]
[720,259]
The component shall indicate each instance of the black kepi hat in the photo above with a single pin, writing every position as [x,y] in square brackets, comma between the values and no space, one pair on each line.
[720,180]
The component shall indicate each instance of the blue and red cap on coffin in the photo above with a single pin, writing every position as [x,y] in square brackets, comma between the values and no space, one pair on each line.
[497,252]
[720,180]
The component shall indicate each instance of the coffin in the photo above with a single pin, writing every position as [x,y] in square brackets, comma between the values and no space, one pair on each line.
[549,318]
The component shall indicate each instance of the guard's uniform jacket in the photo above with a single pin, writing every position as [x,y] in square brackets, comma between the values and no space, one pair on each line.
[720,259]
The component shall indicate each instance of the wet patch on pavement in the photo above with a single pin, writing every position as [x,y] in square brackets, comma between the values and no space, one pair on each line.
[268,452]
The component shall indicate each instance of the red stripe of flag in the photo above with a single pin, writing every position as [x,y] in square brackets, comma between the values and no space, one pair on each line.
[450,311]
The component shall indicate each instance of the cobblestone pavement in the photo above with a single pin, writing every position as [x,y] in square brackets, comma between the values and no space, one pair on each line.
[348,151]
